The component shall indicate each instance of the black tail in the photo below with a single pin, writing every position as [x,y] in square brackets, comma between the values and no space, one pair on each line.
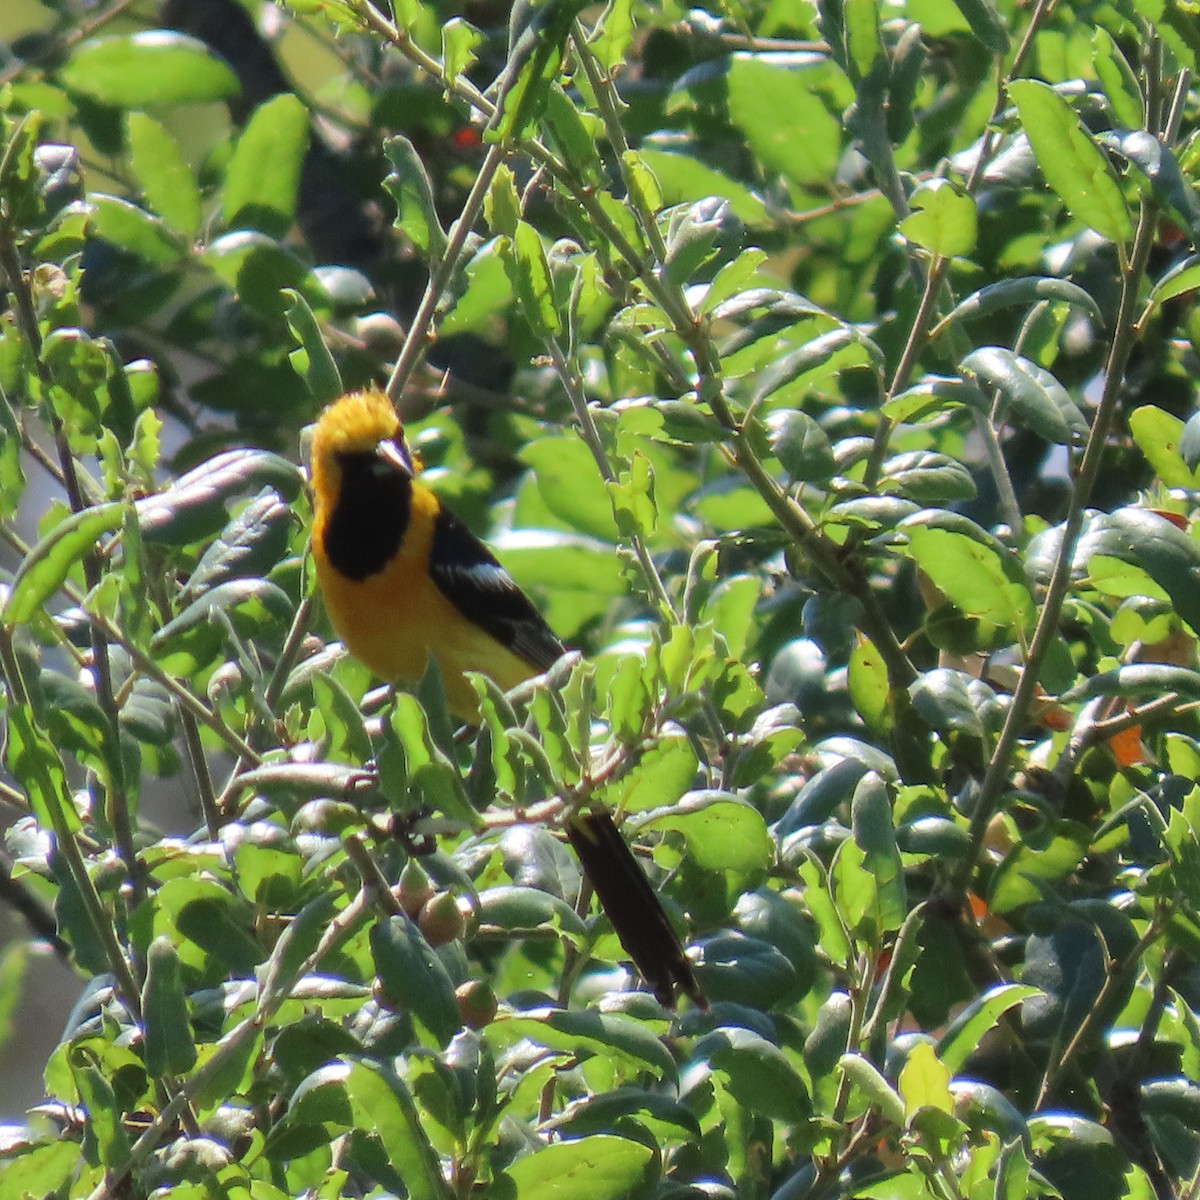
[632,908]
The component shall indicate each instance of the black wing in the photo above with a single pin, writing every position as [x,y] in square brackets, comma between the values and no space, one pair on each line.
[469,576]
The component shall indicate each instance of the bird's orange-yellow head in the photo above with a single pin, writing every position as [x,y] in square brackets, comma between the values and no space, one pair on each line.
[358,423]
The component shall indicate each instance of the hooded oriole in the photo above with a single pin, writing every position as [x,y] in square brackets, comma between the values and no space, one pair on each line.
[403,578]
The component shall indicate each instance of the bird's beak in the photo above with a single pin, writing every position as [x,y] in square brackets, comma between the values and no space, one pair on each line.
[396,454]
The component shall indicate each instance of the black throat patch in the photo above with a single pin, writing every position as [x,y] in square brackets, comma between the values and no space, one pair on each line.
[368,522]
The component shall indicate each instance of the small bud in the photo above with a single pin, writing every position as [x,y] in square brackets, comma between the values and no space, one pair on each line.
[439,920]
[381,332]
[415,888]
[476,1003]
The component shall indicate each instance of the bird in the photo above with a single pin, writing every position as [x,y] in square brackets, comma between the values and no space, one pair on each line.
[403,579]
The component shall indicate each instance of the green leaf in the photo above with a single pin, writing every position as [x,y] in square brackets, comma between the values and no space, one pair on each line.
[133,229]
[942,221]
[312,360]
[570,484]
[684,180]
[388,1142]
[262,180]
[168,1043]
[801,446]
[249,546]
[1068,962]
[601,1167]
[628,698]
[833,350]
[501,204]
[14,965]
[1183,277]
[822,795]
[723,832]
[875,1089]
[863,45]
[1118,80]
[927,478]
[193,508]
[775,734]
[934,837]
[268,867]
[526,911]
[871,823]
[142,70]
[612,35]
[34,761]
[1168,555]
[732,280]
[1034,396]
[258,268]
[299,939]
[534,61]
[867,681]
[200,631]
[953,702]
[218,924]
[976,573]
[1019,293]
[1135,681]
[985,23]
[1074,166]
[1050,857]
[632,496]
[524,258]
[412,976]
[460,39]
[696,234]
[935,394]
[803,148]
[409,186]
[433,780]
[968,1029]
[668,1119]
[105,1127]
[629,1043]
[1161,170]
[42,1168]
[780,922]
[383,1108]
[741,969]
[757,1073]
[924,1082]
[163,173]
[643,187]
[1158,435]
[576,134]
[662,775]
[47,565]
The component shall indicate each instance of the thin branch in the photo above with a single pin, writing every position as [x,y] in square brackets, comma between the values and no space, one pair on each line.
[1114,976]
[66,844]
[200,772]
[591,437]
[38,916]
[419,332]
[117,807]
[1047,626]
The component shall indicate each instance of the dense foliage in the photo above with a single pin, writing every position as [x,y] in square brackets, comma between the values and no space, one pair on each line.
[824,372]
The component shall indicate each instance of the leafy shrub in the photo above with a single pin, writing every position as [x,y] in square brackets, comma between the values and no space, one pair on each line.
[825,374]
